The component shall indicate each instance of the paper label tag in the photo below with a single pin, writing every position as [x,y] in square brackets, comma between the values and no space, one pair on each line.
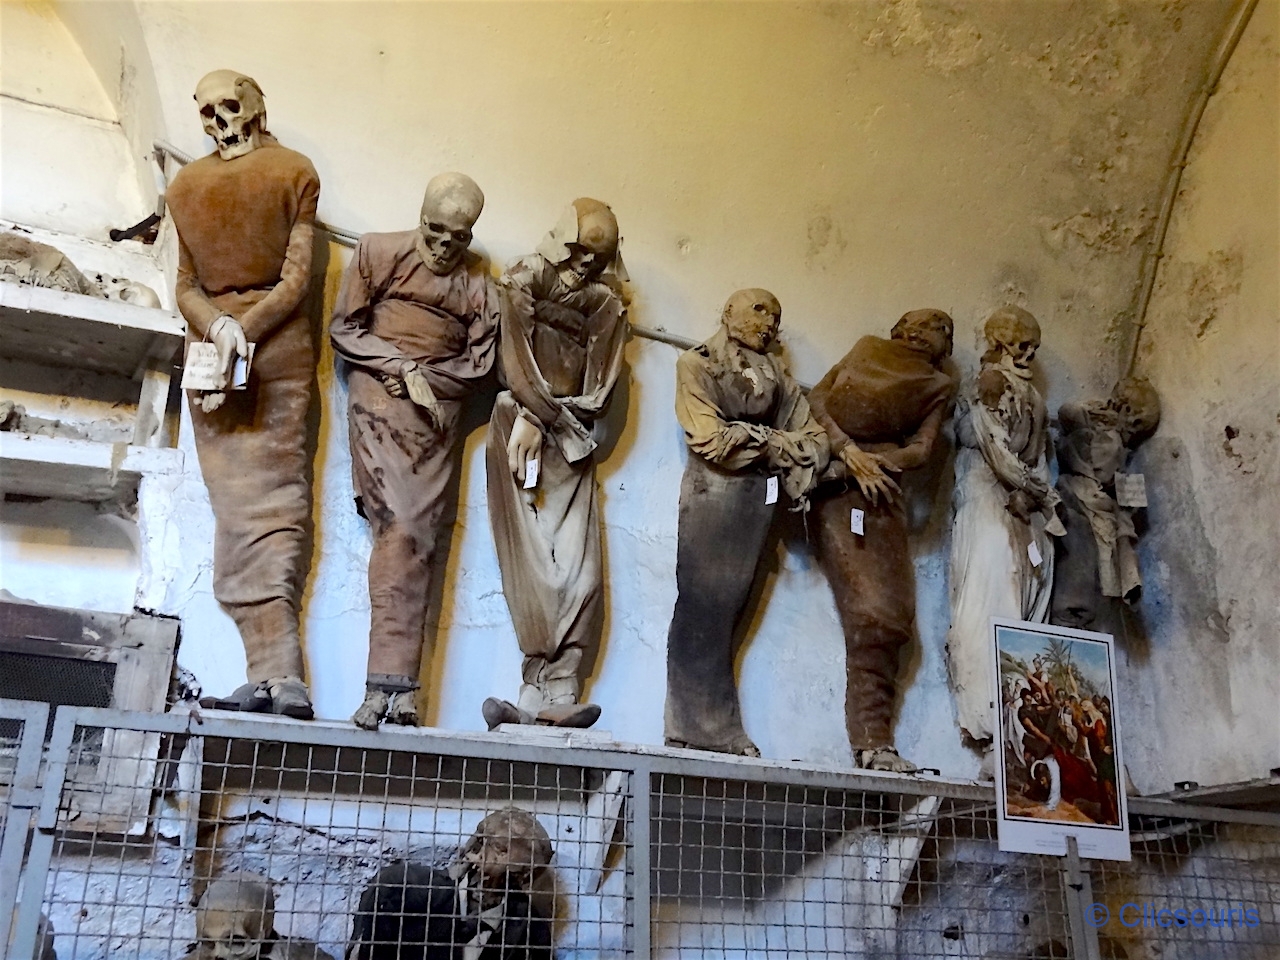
[856,518]
[240,370]
[1131,490]
[530,474]
[200,371]
[771,491]
[1033,552]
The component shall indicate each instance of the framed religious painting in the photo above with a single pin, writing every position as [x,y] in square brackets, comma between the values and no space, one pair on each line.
[1059,769]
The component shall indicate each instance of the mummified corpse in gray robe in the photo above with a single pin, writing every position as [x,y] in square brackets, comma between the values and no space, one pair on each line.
[730,401]
[561,354]
[392,314]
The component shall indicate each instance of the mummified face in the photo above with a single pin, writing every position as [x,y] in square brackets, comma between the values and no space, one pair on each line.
[450,209]
[232,111]
[235,917]
[752,318]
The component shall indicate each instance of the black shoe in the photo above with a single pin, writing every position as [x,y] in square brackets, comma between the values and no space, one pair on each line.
[246,698]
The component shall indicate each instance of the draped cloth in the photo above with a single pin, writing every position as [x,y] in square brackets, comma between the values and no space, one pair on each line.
[561,356]
[880,396]
[729,401]
[1002,447]
[245,232]
[393,314]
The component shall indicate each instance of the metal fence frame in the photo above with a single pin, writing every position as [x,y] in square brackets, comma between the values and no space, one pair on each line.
[576,749]
[21,799]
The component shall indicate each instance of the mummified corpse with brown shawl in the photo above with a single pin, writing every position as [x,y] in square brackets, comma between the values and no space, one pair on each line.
[245,231]
[392,314]
[561,356]
[889,399]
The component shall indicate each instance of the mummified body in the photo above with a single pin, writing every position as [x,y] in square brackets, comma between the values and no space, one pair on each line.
[562,340]
[236,921]
[417,321]
[481,907]
[1096,566]
[744,419]
[245,217]
[1004,507]
[882,407]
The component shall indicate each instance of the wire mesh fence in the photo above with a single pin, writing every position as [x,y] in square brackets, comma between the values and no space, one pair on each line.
[167,836]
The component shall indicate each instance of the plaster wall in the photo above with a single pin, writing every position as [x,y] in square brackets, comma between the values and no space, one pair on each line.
[858,159]
[1212,349]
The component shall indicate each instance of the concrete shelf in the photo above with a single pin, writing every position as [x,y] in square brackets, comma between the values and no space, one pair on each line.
[61,329]
[71,469]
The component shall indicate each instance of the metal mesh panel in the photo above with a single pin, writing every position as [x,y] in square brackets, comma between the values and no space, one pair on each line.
[743,869]
[1195,890]
[58,681]
[320,820]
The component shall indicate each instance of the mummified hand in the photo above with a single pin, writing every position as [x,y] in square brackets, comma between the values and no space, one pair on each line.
[868,470]
[525,445]
[420,392]
[228,336]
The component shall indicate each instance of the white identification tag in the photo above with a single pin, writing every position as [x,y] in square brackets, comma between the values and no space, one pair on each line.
[530,474]
[1131,490]
[240,370]
[1033,552]
[771,491]
[856,518]
[200,371]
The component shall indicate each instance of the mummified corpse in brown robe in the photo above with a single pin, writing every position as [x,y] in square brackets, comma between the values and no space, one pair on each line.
[397,319]
[245,228]
[563,335]
[746,422]
[882,407]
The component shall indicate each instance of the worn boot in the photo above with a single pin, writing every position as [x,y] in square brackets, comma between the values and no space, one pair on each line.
[579,715]
[403,709]
[290,698]
[248,697]
[497,712]
[882,758]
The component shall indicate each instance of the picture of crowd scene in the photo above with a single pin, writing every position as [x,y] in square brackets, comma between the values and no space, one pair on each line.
[1057,733]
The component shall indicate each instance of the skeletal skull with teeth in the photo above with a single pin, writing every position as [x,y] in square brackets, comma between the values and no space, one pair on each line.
[1012,332]
[236,918]
[233,112]
[450,208]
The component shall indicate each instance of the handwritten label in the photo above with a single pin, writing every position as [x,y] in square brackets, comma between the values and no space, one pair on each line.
[856,518]
[1131,490]
[771,490]
[201,370]
[1033,552]
[530,474]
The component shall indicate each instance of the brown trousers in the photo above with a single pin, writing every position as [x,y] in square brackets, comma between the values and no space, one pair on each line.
[875,591]
[253,457]
[724,522]
[402,471]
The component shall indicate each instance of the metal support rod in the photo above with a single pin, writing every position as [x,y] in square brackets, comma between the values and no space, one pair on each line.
[1155,250]
[641,851]
[1079,896]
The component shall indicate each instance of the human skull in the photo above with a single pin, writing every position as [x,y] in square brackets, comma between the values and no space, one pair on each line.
[596,244]
[1012,332]
[929,331]
[235,915]
[508,848]
[233,112]
[450,208]
[1137,405]
[752,317]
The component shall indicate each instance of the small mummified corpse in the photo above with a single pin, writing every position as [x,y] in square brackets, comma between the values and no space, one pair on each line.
[750,432]
[485,905]
[416,320]
[236,920]
[1096,568]
[245,216]
[563,333]
[882,407]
